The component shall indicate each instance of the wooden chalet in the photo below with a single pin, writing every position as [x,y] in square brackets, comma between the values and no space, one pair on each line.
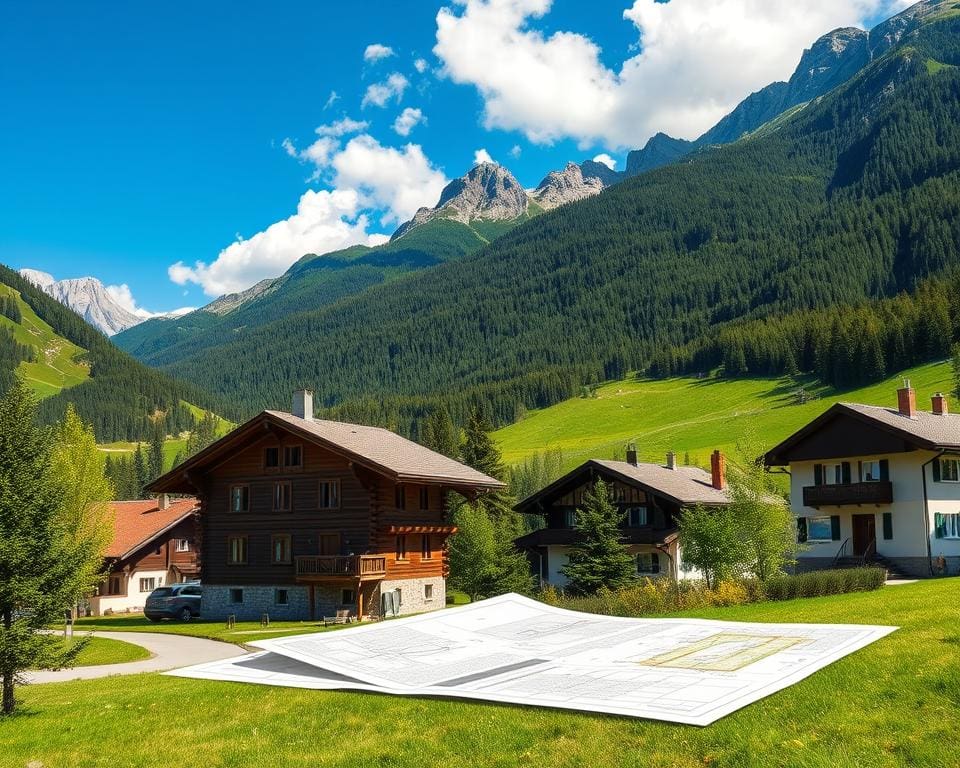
[301,518]
[154,543]
[649,496]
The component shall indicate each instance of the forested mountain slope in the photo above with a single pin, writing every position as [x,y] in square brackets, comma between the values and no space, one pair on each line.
[856,196]
[64,359]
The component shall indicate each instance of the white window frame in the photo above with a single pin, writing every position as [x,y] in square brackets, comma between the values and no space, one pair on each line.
[955,464]
[833,474]
[183,545]
[875,464]
[810,524]
[150,582]
[428,592]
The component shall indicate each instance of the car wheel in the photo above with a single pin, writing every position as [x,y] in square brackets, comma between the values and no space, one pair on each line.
[154,618]
[186,614]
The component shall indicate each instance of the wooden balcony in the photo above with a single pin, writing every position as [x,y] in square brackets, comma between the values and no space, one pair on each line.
[340,567]
[849,494]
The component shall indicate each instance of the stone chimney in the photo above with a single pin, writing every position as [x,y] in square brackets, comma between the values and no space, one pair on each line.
[163,501]
[940,404]
[671,460]
[907,400]
[718,471]
[303,404]
[632,454]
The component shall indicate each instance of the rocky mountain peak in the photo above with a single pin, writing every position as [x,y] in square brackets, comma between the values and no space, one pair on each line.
[566,186]
[89,298]
[488,192]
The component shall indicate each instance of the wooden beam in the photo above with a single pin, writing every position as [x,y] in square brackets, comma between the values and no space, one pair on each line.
[359,601]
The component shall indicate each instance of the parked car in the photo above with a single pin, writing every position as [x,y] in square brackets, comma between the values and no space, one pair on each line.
[174,601]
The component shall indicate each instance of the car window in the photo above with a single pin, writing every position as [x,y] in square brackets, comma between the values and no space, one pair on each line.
[191,591]
[162,592]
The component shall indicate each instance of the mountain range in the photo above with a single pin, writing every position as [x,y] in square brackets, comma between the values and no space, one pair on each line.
[90,299]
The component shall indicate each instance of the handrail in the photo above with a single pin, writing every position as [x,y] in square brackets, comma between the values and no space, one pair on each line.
[841,551]
[869,551]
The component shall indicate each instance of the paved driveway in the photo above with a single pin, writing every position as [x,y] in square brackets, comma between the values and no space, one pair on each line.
[167,652]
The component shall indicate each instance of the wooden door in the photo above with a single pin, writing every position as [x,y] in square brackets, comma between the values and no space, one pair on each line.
[864,533]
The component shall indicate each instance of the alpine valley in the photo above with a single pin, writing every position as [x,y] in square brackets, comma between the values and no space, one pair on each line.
[822,209]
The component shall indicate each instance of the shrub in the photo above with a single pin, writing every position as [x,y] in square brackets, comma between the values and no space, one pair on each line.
[818,583]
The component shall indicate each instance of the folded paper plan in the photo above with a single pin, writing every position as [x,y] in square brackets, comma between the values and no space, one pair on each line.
[512,649]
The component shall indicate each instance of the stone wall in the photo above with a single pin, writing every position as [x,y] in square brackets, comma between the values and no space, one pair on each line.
[412,594]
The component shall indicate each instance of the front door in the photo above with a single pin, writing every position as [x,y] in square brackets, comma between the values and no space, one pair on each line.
[864,533]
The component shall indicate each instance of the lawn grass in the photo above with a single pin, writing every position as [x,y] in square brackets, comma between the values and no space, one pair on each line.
[894,703]
[691,416]
[241,633]
[102,650]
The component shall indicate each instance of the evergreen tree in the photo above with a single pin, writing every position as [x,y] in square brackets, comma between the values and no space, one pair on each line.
[140,476]
[481,452]
[204,433]
[955,363]
[439,433]
[598,558]
[155,453]
[52,518]
[483,559]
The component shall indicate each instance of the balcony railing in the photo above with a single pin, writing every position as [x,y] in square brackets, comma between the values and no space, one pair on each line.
[341,566]
[851,493]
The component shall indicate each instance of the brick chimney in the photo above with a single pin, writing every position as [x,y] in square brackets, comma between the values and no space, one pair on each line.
[907,400]
[671,460]
[718,471]
[632,454]
[303,404]
[940,404]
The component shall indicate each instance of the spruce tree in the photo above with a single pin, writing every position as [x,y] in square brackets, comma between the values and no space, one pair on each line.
[140,476]
[598,558]
[155,453]
[53,526]
[439,433]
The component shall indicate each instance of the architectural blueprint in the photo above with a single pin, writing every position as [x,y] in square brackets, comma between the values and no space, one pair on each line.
[515,650]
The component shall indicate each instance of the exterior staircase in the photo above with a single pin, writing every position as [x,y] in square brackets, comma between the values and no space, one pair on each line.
[872,558]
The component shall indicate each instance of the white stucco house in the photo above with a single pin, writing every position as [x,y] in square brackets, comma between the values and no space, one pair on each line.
[869,483]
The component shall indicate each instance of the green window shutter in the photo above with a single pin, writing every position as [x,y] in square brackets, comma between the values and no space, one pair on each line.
[884,469]
[835,527]
[936,470]
[801,529]
[887,526]
[818,474]
[845,473]
[939,525]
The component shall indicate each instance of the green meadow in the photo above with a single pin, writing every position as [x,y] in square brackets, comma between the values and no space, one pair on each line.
[57,363]
[693,416]
[894,703]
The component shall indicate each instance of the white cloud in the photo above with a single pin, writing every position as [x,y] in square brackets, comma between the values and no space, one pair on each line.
[289,147]
[608,161]
[396,181]
[421,65]
[342,127]
[391,89]
[123,296]
[697,60]
[376,51]
[481,156]
[515,151]
[332,99]
[324,221]
[407,120]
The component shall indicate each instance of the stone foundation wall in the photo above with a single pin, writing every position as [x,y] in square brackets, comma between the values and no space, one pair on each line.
[412,594]
[216,604]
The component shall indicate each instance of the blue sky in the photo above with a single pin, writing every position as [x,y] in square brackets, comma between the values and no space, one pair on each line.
[137,137]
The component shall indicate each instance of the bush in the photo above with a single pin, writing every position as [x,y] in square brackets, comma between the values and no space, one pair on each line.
[650,597]
[818,583]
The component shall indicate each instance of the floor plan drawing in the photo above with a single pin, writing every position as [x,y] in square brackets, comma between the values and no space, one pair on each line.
[512,649]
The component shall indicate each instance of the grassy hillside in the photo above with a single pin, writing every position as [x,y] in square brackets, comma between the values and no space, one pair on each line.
[68,361]
[690,415]
[57,363]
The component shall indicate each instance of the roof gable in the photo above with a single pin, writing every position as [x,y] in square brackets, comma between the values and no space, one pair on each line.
[137,523]
[683,485]
[852,429]
[379,450]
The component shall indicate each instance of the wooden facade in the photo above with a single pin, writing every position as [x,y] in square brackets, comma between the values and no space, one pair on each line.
[280,509]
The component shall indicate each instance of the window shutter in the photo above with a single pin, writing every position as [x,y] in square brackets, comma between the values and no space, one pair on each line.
[845,472]
[939,525]
[654,563]
[818,474]
[835,527]
[884,469]
[887,526]
[936,470]
[801,529]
